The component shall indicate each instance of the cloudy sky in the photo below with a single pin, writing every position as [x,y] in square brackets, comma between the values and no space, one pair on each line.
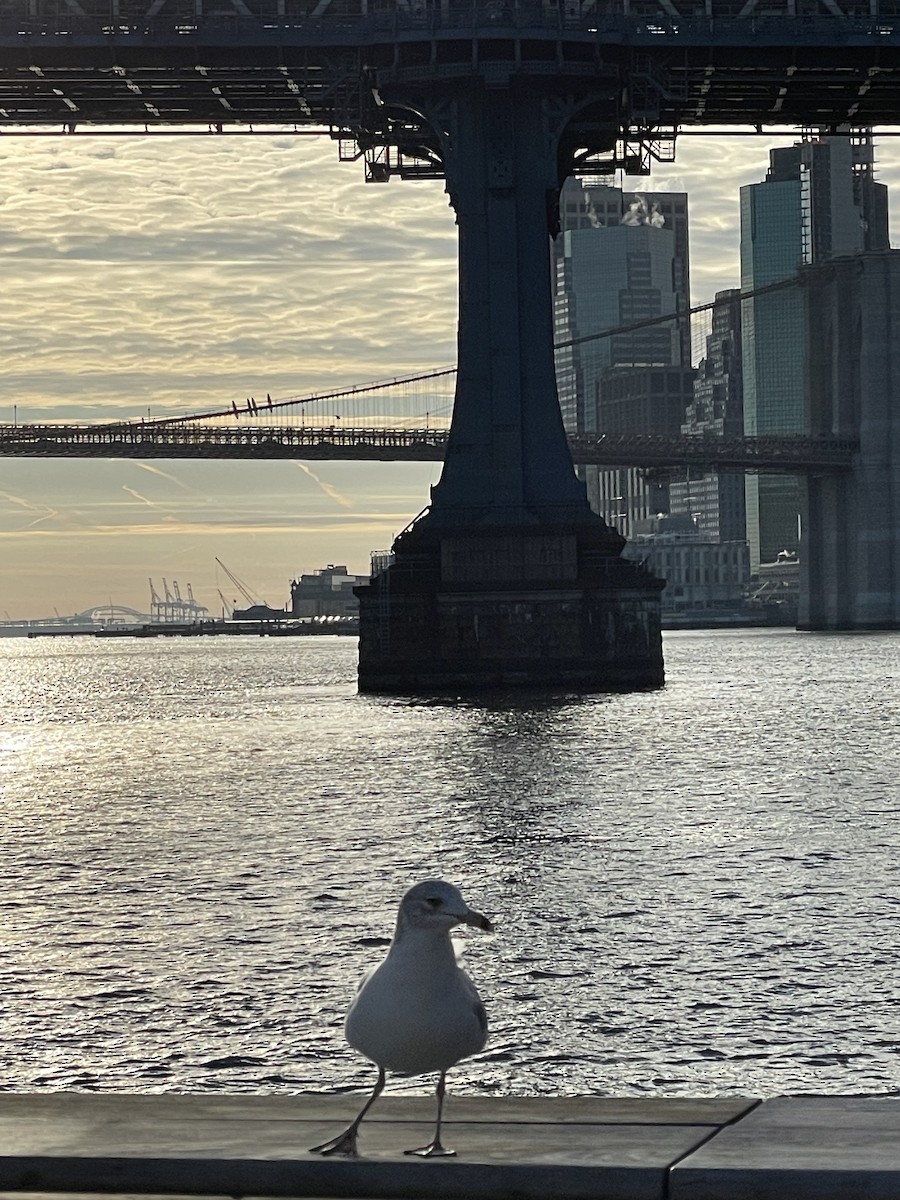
[155,273]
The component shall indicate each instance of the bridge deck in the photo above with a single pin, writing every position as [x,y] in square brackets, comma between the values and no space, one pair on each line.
[298,62]
[784,454]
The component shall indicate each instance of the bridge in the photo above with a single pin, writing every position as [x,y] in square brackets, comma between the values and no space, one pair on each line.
[504,99]
[791,455]
[231,64]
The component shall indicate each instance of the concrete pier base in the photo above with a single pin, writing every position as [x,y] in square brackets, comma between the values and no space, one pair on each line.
[537,607]
[531,1148]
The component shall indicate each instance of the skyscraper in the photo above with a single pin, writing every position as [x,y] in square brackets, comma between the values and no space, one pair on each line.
[819,200]
[716,498]
[622,257]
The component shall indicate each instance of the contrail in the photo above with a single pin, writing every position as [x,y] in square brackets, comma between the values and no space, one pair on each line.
[329,491]
[22,503]
[165,475]
[138,496]
[47,513]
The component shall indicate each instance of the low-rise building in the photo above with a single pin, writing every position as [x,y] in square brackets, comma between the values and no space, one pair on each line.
[326,593]
[702,576]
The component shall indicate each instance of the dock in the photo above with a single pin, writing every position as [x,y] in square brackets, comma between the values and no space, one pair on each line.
[509,1148]
[342,627]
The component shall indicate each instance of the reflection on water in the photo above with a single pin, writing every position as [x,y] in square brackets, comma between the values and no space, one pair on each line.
[695,889]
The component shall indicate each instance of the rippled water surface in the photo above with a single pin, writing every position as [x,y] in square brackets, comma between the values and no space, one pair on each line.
[695,890]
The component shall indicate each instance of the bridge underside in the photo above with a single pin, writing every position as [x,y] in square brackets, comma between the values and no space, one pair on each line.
[293,62]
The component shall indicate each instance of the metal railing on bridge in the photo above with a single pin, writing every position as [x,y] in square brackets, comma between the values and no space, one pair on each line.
[122,17]
[789,453]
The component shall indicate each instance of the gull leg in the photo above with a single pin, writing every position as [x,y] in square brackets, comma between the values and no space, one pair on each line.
[345,1143]
[435,1149]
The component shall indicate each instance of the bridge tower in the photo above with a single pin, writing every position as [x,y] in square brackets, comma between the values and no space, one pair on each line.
[508,578]
[850,548]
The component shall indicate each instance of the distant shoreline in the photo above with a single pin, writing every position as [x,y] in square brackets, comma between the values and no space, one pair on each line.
[339,626]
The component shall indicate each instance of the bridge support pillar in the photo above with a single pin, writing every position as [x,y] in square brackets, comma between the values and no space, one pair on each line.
[508,578]
[850,549]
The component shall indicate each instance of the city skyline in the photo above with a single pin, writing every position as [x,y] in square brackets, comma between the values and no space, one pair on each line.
[184,273]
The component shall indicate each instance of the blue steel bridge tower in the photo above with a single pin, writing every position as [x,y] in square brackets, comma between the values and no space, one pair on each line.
[508,578]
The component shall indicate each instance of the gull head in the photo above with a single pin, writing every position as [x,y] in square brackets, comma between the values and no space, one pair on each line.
[438,906]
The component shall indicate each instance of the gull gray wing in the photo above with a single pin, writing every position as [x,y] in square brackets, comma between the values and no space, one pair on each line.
[366,977]
[477,1005]
[481,1013]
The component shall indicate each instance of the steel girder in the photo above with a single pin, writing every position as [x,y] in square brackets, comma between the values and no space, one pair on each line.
[74,65]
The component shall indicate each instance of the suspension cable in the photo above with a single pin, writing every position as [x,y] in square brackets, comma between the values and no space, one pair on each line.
[251,407]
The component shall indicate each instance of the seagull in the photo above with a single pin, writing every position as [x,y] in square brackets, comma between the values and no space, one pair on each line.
[418,1011]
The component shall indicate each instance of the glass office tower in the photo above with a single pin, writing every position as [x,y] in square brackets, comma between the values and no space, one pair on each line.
[622,257]
[819,200]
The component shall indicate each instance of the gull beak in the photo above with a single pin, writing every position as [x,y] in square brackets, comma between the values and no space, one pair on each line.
[478,921]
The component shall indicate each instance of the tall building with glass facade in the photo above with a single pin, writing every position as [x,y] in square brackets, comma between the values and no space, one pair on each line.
[715,499]
[819,200]
[622,257]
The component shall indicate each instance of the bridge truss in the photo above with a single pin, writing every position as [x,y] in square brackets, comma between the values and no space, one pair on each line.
[162,439]
[323,65]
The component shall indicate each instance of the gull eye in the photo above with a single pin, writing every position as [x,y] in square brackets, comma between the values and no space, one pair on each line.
[434,901]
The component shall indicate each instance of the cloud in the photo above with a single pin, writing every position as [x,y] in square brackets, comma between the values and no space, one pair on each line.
[168,524]
[174,275]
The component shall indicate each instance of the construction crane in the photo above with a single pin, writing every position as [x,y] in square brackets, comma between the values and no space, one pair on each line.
[175,607]
[248,595]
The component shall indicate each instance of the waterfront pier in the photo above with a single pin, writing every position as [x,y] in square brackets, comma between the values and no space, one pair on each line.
[530,1148]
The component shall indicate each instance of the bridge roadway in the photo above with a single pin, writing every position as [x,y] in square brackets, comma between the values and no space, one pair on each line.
[792,455]
[231,64]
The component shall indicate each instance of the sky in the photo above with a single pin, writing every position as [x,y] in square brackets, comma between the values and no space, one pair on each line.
[157,274]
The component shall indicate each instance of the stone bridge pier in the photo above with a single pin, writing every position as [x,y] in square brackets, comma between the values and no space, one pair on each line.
[850,549]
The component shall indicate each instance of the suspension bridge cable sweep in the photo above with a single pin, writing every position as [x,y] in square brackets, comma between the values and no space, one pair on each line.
[251,407]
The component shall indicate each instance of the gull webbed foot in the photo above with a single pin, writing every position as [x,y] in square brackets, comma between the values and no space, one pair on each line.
[344,1143]
[432,1150]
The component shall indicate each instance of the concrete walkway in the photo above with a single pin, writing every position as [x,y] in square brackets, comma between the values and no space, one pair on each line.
[569,1148]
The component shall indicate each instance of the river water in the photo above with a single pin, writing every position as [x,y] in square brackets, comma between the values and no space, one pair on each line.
[695,890]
